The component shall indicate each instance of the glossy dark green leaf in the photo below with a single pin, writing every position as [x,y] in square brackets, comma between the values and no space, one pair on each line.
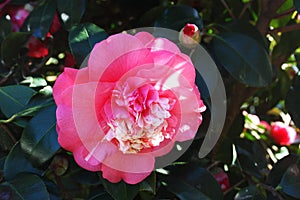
[292,99]
[175,17]
[297,5]
[121,190]
[71,11]
[290,182]
[16,162]
[82,39]
[40,19]
[39,138]
[249,193]
[149,184]
[16,40]
[199,178]
[248,29]
[101,196]
[279,169]
[14,98]
[183,190]
[28,187]
[5,28]
[251,157]
[244,58]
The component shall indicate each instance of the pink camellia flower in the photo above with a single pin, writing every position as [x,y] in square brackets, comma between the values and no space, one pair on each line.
[282,134]
[135,98]
[189,35]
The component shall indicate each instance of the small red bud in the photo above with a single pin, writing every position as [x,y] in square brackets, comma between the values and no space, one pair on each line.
[282,133]
[189,35]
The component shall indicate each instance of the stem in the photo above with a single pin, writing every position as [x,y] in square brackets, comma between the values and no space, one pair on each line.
[246,6]
[269,8]
[9,133]
[228,9]
[285,29]
[272,190]
[285,13]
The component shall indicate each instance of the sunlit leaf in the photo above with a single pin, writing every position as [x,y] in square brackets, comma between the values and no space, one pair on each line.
[14,98]
[82,39]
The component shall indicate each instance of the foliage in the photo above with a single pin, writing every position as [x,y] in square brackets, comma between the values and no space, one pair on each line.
[255,45]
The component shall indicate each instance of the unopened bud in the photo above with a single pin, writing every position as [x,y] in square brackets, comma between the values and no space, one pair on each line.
[189,35]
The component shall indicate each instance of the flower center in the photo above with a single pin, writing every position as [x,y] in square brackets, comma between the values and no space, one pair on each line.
[141,121]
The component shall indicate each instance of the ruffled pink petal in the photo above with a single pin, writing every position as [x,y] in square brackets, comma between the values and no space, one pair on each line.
[156,44]
[116,176]
[145,37]
[80,156]
[130,163]
[67,134]
[64,81]
[107,51]
[125,63]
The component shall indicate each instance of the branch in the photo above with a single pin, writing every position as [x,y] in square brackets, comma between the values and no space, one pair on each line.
[285,13]
[285,29]
[9,133]
[228,9]
[269,8]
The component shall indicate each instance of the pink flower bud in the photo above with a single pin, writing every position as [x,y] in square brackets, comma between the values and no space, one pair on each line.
[283,134]
[223,180]
[189,35]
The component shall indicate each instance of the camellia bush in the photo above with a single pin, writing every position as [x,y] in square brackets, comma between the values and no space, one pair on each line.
[153,99]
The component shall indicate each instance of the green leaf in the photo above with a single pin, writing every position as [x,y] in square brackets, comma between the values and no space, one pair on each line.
[39,138]
[82,39]
[175,17]
[290,182]
[40,19]
[244,27]
[6,142]
[149,184]
[297,5]
[280,168]
[16,162]
[28,187]
[14,98]
[5,28]
[183,190]
[249,193]
[72,10]
[35,81]
[244,58]
[282,21]
[292,99]
[199,178]
[121,190]
[16,40]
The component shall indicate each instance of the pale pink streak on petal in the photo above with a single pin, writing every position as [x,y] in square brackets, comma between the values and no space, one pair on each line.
[80,154]
[145,37]
[107,51]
